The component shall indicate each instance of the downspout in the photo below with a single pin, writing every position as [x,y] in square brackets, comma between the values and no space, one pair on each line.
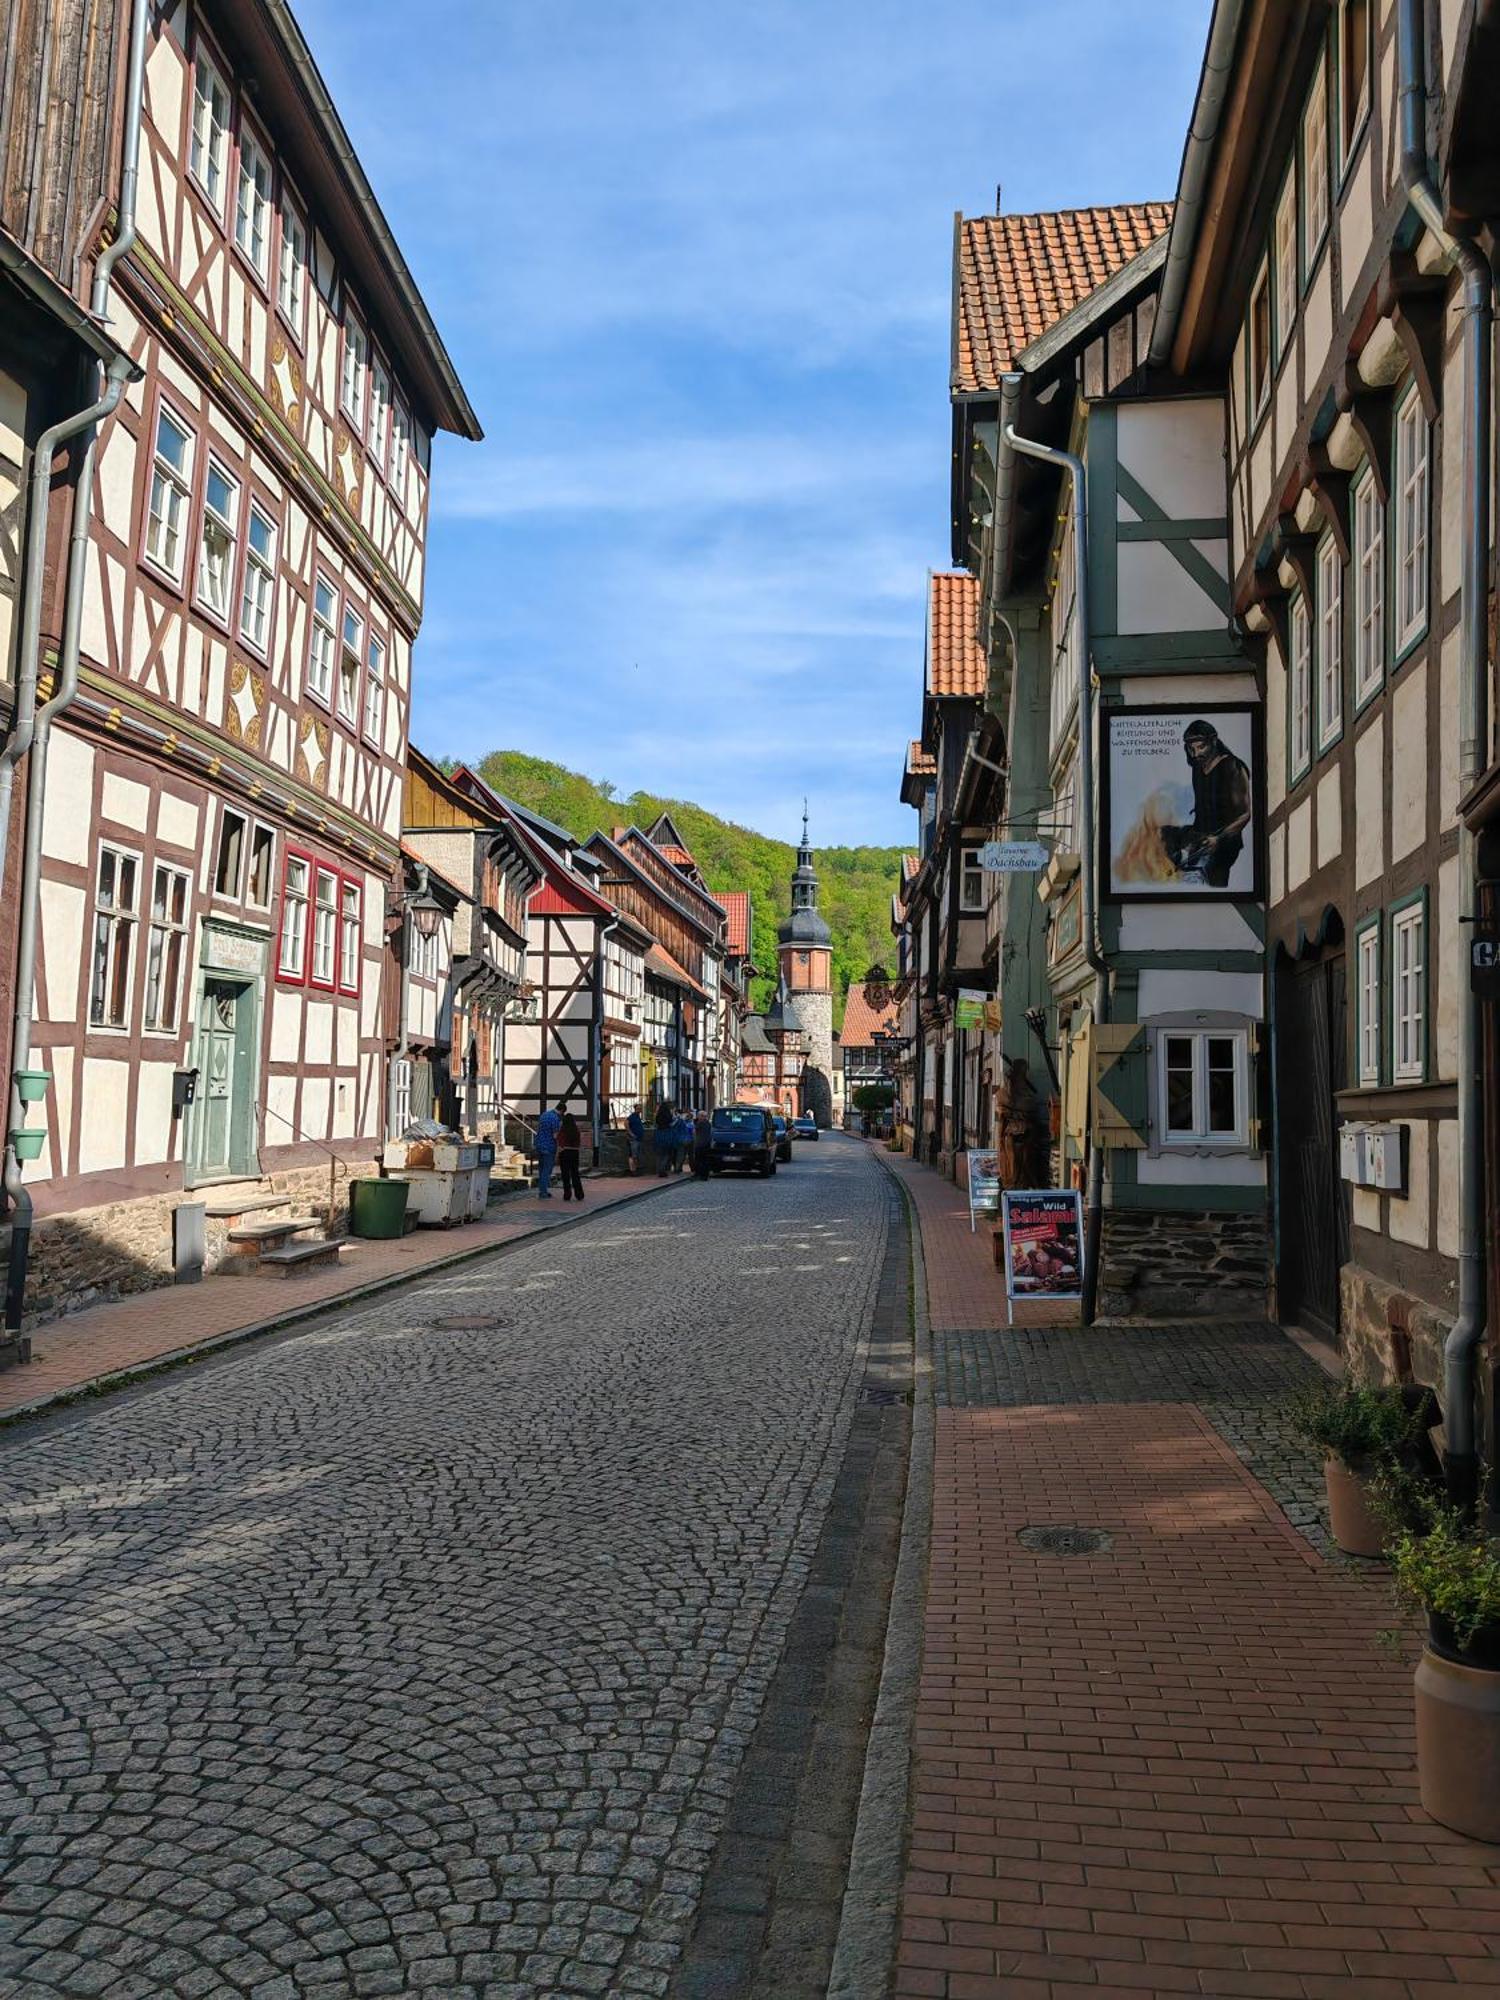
[403,1039]
[1070,463]
[1461,1351]
[34,728]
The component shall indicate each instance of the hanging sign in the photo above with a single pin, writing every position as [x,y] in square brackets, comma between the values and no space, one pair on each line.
[1484,967]
[984,1186]
[968,1010]
[1043,1243]
[1012,857]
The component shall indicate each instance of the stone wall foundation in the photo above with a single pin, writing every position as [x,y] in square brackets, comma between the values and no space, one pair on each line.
[1156,1264]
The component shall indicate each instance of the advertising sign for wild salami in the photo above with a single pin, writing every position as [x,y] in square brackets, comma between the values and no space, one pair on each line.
[1182,799]
[1043,1243]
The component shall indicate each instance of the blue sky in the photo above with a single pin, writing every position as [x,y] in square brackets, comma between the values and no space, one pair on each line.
[693,264]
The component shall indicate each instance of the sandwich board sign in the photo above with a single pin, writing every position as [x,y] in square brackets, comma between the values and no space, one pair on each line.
[984,1186]
[1043,1243]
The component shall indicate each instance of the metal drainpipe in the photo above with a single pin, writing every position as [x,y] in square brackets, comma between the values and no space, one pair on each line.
[1461,1351]
[40,725]
[403,1039]
[1070,463]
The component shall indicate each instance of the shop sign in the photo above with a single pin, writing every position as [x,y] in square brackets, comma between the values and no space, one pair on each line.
[984,1185]
[1484,967]
[968,1012]
[1012,857]
[1043,1243]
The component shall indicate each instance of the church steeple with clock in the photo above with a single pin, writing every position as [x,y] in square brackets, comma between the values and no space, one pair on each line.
[804,950]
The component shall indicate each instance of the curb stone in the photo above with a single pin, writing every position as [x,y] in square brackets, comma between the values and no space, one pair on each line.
[864,1955]
[218,1343]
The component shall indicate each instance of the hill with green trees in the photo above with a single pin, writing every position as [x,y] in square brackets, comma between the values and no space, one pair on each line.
[855,883]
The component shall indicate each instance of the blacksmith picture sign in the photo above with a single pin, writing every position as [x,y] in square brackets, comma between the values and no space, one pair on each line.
[1182,802]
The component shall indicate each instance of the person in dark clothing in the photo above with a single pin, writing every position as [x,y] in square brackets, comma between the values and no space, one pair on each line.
[665,1144]
[703,1145]
[1222,805]
[569,1146]
[635,1137]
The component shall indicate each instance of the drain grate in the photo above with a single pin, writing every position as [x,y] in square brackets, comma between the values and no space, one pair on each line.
[1066,1541]
[470,1323]
[885,1396]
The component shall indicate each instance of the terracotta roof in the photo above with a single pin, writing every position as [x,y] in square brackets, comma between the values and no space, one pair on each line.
[678,856]
[910,865]
[662,963]
[955,659]
[921,763]
[737,907]
[1018,275]
[861,1019]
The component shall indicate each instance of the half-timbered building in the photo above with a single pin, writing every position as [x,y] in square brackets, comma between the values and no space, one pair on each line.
[219,845]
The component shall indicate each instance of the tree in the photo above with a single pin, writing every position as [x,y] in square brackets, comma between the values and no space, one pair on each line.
[874,1097]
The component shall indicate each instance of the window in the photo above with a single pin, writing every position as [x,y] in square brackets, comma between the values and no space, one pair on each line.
[971,881]
[229,862]
[1354,71]
[400,447]
[1412,446]
[1299,689]
[114,938]
[171,475]
[349,952]
[291,281]
[352,375]
[325,925]
[1330,644]
[1202,1086]
[349,665]
[166,948]
[262,864]
[321,645]
[1285,251]
[380,412]
[292,961]
[374,688]
[401,1092]
[1369,589]
[208,150]
[252,208]
[1409,994]
[216,540]
[1367,1002]
[1314,171]
[260,579]
[1260,343]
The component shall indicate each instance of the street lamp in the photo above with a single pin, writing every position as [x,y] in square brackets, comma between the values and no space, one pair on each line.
[425,911]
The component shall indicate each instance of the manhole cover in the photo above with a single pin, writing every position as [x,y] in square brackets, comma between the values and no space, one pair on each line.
[1065,1541]
[885,1395]
[469,1323]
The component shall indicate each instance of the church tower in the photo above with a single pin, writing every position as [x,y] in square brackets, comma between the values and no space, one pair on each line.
[805,952]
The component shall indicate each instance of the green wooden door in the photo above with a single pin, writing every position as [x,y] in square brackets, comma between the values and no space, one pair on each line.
[223,1109]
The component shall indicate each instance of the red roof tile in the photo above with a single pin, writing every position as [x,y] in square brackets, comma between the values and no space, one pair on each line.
[861,1019]
[955,660]
[910,864]
[919,762]
[737,907]
[1019,274]
[660,961]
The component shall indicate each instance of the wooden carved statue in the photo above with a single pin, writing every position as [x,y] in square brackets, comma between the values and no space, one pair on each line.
[1023,1140]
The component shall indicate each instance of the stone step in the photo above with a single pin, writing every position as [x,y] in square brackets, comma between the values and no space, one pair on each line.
[296,1257]
[227,1210]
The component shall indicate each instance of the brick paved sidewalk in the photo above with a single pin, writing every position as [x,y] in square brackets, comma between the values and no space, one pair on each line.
[130,1333]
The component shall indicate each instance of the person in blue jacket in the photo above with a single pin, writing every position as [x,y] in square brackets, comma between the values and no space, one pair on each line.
[547,1128]
[682,1138]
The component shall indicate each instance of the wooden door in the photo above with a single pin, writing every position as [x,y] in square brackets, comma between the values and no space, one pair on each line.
[1311,1015]
[214,1126]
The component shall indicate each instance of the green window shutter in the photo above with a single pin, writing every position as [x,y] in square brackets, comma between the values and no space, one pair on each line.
[1256,1088]
[1120,1096]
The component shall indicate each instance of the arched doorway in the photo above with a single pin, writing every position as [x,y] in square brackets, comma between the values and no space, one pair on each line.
[1311,1028]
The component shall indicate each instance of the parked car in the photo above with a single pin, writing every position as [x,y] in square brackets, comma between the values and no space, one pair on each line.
[783,1137]
[744,1136]
[805,1127]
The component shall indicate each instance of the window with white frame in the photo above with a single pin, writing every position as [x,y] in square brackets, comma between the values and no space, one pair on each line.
[400,446]
[349,952]
[208,148]
[1299,687]
[1354,71]
[970,881]
[171,493]
[1260,342]
[325,927]
[292,959]
[1202,1096]
[291,278]
[401,1091]
[1285,254]
[252,207]
[323,642]
[1330,643]
[229,858]
[1413,445]
[216,539]
[352,373]
[1369,588]
[1409,994]
[1314,171]
[380,412]
[353,635]
[116,888]
[166,948]
[262,867]
[260,578]
[1367,994]
[374,688]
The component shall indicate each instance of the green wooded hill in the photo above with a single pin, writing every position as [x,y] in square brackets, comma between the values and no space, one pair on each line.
[855,883]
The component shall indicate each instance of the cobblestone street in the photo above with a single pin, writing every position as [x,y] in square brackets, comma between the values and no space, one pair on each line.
[420,1650]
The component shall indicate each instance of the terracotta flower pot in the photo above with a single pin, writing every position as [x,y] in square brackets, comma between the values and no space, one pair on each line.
[1458,1744]
[1356,1527]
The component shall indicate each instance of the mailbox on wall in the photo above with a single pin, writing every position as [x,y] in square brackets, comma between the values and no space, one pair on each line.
[1373,1156]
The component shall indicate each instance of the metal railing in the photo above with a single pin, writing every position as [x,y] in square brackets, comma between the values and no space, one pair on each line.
[335,1159]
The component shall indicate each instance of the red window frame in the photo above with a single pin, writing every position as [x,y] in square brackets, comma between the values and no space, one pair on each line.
[344,883]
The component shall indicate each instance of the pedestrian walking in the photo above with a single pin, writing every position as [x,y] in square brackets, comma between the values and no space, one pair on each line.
[547,1129]
[635,1137]
[703,1145]
[665,1123]
[569,1146]
[682,1141]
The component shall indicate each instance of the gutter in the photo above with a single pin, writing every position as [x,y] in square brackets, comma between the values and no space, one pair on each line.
[1192,179]
[1070,463]
[1461,1350]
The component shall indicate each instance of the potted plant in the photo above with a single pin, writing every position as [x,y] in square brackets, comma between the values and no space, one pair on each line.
[1369,1436]
[1451,1569]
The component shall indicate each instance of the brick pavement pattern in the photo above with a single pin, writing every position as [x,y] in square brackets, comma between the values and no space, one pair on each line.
[396,1657]
[1183,1765]
[125,1333]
